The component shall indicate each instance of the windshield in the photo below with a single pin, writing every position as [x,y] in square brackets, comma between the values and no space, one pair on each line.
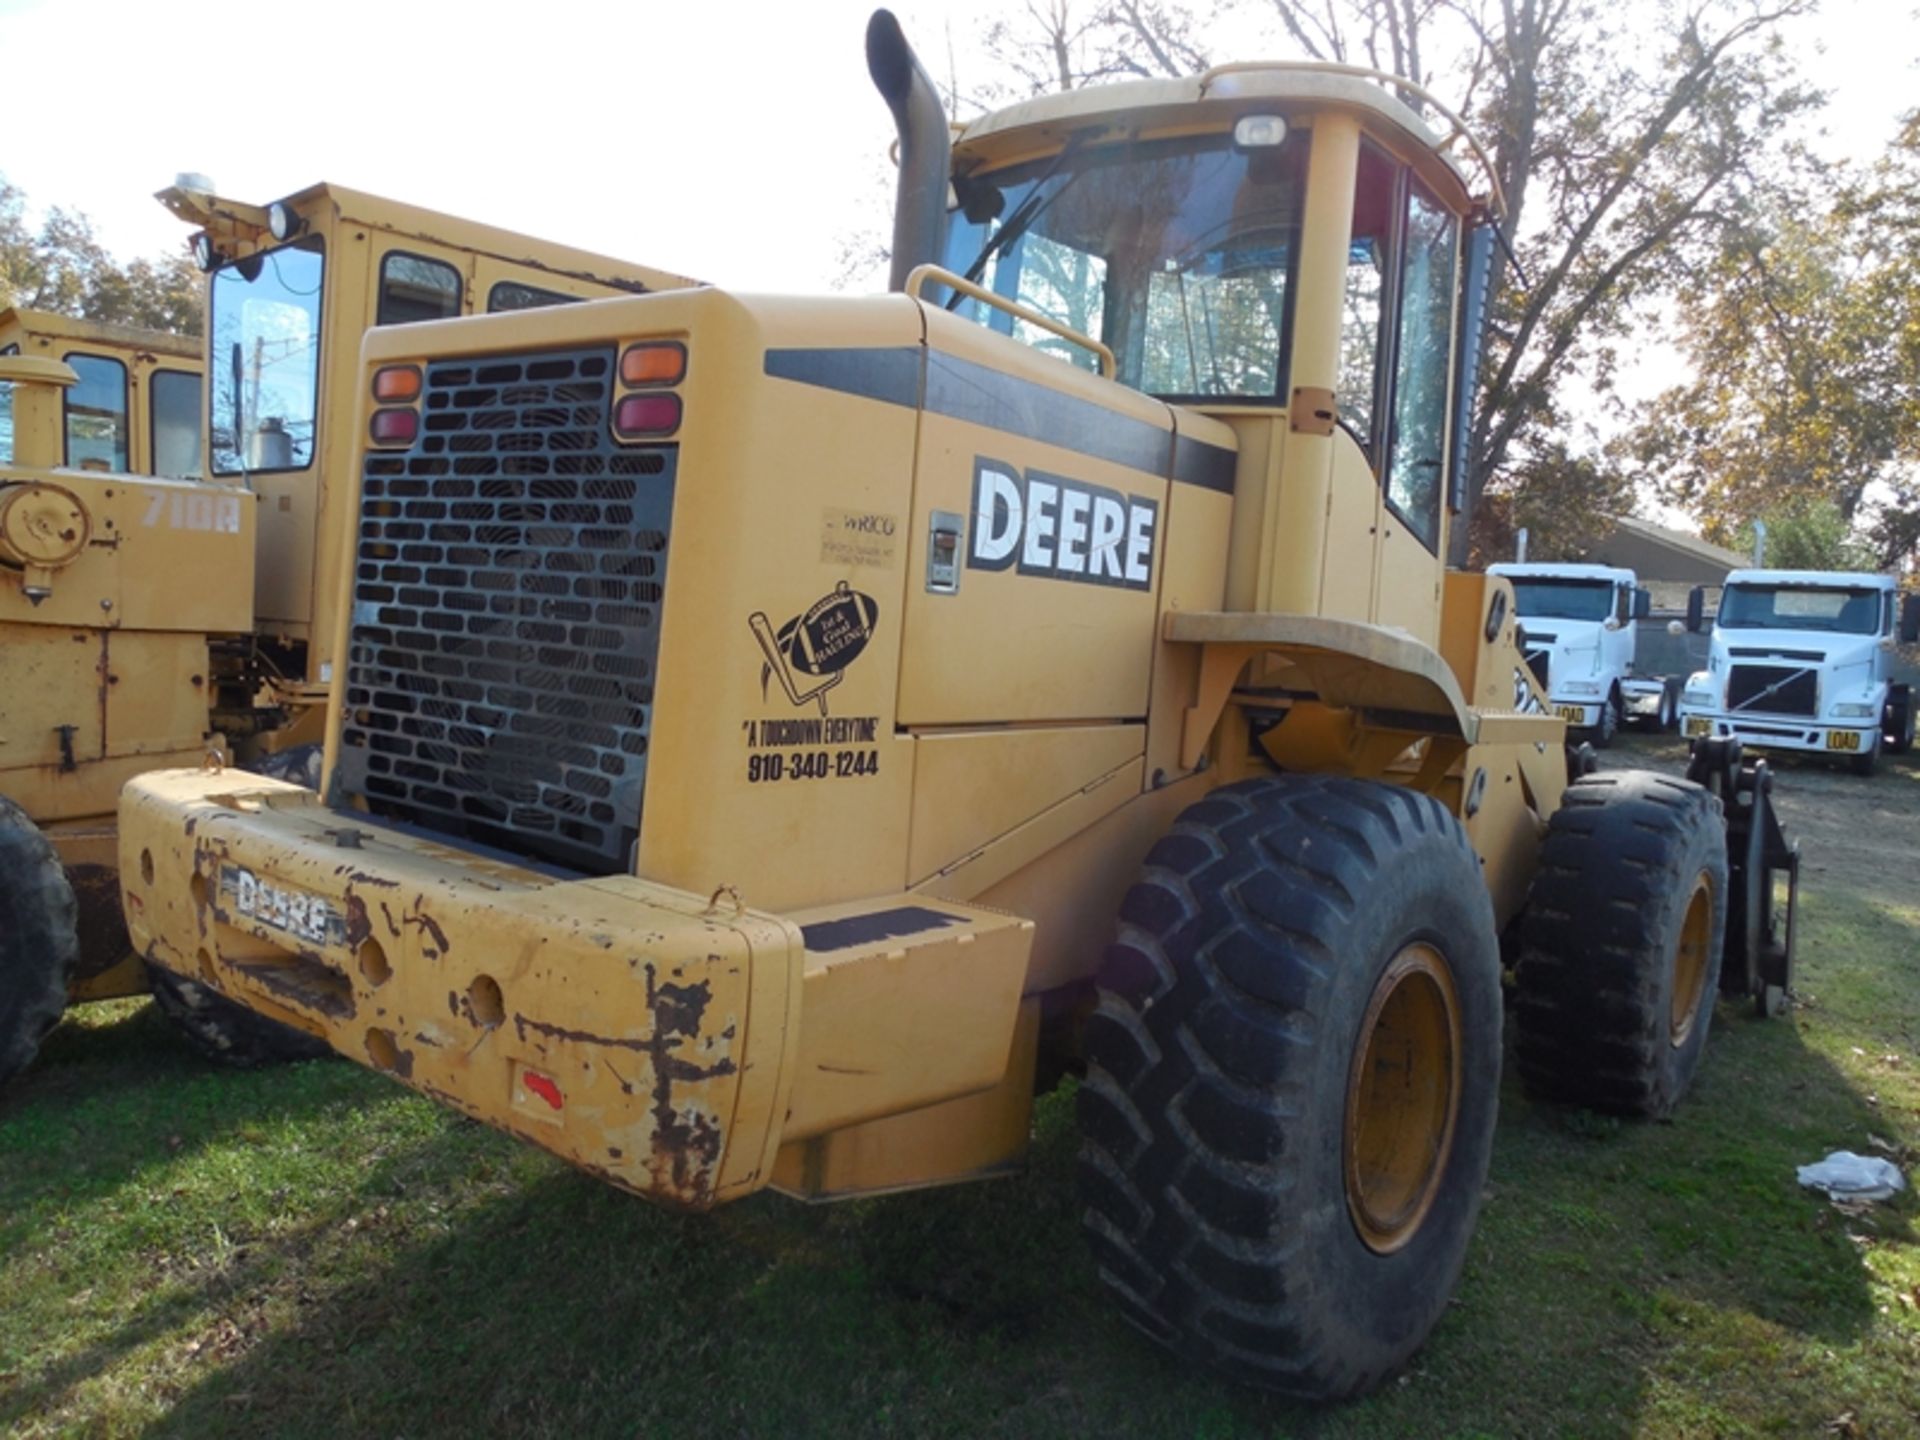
[1842,610]
[265,393]
[1176,254]
[1562,599]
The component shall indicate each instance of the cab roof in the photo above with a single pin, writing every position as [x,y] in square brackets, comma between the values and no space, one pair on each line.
[1208,102]
[1547,570]
[17,322]
[221,215]
[1853,579]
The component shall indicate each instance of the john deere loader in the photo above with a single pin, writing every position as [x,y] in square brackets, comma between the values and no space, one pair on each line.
[773,736]
[141,621]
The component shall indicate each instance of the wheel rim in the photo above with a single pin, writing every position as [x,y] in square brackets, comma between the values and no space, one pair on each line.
[1690,960]
[1403,1098]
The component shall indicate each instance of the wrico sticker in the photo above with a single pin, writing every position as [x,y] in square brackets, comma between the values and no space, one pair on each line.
[1048,525]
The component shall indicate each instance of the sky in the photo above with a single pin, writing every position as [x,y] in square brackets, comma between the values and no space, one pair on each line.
[742,144]
[737,143]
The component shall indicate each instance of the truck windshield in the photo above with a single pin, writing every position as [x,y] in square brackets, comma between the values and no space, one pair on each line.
[1537,599]
[265,394]
[1176,254]
[1843,610]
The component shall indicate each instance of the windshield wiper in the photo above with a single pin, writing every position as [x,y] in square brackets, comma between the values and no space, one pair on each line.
[1021,220]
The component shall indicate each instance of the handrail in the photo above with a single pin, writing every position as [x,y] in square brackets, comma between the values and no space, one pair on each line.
[1365,72]
[921,274]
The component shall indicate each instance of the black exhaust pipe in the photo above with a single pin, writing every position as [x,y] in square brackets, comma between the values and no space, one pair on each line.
[926,150]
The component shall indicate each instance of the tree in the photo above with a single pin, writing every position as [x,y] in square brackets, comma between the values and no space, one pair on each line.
[64,268]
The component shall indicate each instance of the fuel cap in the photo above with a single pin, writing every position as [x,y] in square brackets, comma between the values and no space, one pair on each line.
[42,526]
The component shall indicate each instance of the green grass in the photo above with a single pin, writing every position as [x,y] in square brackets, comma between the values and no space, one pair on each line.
[312,1251]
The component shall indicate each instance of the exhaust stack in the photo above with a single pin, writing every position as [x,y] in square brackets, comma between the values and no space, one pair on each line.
[926,151]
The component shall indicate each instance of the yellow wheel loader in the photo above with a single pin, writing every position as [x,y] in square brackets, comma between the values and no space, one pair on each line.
[774,736]
[138,618]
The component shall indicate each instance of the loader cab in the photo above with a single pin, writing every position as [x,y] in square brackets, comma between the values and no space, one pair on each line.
[292,287]
[1283,248]
[134,406]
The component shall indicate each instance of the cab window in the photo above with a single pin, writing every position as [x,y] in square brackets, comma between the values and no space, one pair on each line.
[6,411]
[174,397]
[1423,349]
[96,411]
[512,295]
[1363,313]
[413,287]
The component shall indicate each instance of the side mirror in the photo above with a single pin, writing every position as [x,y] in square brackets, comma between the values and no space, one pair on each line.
[1642,603]
[1696,609]
[1613,622]
[1674,627]
[1910,618]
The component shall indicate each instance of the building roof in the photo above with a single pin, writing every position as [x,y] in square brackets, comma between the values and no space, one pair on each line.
[1655,552]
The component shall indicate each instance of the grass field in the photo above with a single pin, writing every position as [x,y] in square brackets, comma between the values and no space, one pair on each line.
[313,1251]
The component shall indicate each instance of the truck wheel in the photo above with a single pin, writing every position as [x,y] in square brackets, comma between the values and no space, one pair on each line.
[1899,722]
[1620,943]
[1292,1073]
[1867,760]
[1669,716]
[226,1033]
[39,945]
[1609,723]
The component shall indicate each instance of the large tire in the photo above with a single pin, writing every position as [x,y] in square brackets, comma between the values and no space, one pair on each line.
[1602,734]
[39,945]
[1899,722]
[1868,760]
[226,1033]
[1620,944]
[1239,1160]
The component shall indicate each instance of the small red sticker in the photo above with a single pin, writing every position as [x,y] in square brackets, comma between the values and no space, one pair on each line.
[542,1086]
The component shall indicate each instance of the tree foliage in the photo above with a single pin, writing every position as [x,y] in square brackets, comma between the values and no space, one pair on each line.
[61,266]
[1804,338]
[1629,140]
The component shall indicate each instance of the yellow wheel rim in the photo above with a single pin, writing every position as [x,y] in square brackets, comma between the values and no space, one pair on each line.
[1403,1098]
[1690,960]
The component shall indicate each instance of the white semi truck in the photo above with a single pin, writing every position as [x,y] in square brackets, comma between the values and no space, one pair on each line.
[1579,641]
[1802,660]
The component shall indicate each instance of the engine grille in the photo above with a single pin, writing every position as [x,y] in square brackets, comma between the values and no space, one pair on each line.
[1799,695]
[506,614]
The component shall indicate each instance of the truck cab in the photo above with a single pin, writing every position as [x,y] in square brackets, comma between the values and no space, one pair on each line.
[1578,626]
[1802,660]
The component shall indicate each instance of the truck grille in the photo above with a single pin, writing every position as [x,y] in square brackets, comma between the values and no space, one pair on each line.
[1798,695]
[506,614]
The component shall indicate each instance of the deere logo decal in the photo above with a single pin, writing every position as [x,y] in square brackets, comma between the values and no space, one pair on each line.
[809,652]
[1060,529]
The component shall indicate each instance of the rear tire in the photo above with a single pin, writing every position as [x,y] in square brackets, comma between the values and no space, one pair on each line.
[1867,760]
[39,945]
[1900,734]
[1292,1074]
[1620,944]
[227,1033]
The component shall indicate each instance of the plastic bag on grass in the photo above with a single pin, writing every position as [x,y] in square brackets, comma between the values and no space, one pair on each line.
[1844,1175]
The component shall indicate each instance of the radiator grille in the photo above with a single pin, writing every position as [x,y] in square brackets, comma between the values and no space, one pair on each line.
[506,614]
[1798,692]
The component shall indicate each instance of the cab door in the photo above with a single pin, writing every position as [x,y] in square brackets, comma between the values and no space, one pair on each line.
[1410,562]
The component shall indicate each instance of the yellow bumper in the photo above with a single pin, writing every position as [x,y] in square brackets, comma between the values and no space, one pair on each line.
[650,1036]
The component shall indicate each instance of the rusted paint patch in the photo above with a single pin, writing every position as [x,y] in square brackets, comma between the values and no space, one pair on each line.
[359,923]
[393,926]
[306,980]
[429,929]
[382,882]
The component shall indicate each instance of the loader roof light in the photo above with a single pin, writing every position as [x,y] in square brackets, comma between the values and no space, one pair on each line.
[394,427]
[205,257]
[655,362]
[396,384]
[284,221]
[1259,132]
[645,415]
